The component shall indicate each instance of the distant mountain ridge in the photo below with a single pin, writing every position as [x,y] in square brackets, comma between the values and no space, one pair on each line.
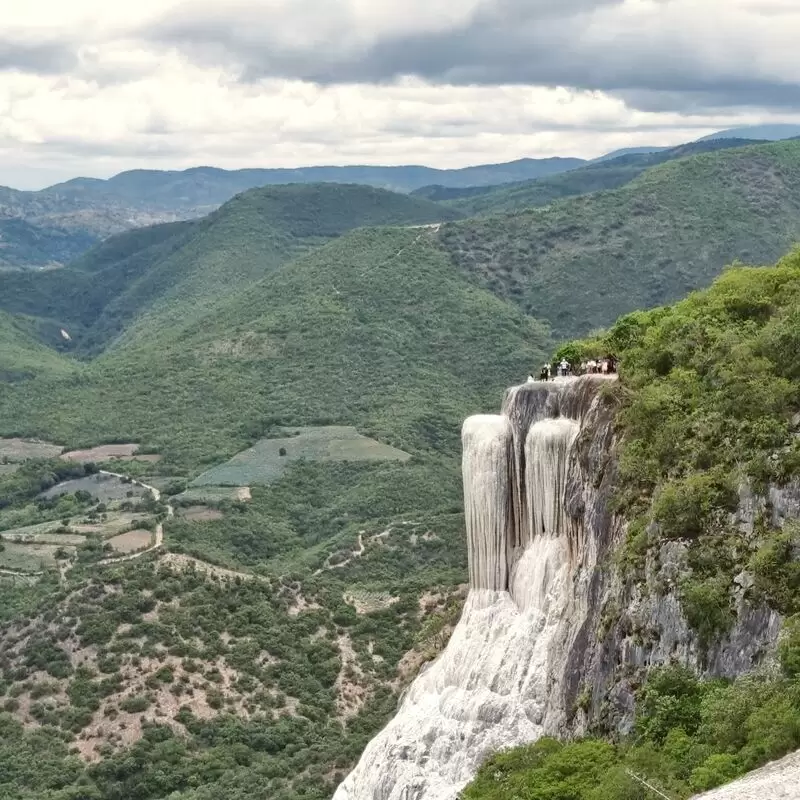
[55,225]
[773,133]
[593,177]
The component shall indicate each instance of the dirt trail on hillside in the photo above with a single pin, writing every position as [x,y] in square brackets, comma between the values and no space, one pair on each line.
[159,533]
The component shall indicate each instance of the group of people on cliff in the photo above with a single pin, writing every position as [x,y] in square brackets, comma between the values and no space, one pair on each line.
[606,365]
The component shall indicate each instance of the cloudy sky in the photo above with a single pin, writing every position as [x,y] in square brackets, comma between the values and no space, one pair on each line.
[92,87]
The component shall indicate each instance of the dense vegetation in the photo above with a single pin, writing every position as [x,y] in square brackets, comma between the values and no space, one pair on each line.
[579,264]
[261,648]
[709,399]
[690,736]
[171,271]
[376,330]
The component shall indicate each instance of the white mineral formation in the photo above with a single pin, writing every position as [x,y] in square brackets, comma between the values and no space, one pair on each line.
[500,681]
[778,780]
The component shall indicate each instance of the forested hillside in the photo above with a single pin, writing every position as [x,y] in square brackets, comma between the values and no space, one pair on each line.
[266,641]
[579,263]
[185,267]
[257,647]
[377,329]
[596,176]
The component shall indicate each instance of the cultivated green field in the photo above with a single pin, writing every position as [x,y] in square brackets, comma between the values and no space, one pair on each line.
[106,488]
[266,460]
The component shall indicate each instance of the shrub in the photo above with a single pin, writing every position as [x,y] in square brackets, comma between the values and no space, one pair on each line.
[135,703]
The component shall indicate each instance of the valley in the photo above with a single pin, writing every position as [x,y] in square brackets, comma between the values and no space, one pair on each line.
[231,492]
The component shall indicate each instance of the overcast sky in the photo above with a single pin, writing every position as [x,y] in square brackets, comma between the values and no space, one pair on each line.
[93,87]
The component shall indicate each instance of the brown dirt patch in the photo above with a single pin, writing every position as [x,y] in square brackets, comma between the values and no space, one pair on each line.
[243,494]
[131,541]
[351,694]
[182,562]
[107,452]
[201,513]
[23,449]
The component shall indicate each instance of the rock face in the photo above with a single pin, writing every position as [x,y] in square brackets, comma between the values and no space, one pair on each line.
[537,650]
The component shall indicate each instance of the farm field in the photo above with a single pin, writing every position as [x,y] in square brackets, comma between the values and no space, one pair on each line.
[266,460]
[213,494]
[16,450]
[130,541]
[42,534]
[110,452]
[28,557]
[106,488]
[112,525]
[200,513]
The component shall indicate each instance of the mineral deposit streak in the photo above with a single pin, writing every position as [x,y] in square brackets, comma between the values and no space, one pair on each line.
[502,679]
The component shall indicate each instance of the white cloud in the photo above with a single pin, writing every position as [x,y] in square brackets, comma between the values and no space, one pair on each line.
[89,87]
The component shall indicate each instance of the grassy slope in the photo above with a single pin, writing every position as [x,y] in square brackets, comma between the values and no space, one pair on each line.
[22,355]
[377,329]
[580,263]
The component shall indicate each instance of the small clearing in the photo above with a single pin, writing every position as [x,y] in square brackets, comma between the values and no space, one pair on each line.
[200,514]
[131,541]
[266,460]
[16,450]
[366,602]
[35,535]
[114,523]
[7,469]
[214,494]
[27,557]
[110,452]
[183,562]
[106,488]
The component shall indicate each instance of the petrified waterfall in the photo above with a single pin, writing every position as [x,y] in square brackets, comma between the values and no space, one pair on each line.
[512,667]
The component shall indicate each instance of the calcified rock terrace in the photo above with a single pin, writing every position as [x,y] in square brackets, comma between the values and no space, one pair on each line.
[532,531]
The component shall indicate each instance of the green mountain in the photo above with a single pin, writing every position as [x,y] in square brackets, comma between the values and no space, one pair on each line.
[773,132]
[606,173]
[57,224]
[379,319]
[261,646]
[579,263]
[196,263]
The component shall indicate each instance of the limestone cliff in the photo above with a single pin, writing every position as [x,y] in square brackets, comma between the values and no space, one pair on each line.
[553,638]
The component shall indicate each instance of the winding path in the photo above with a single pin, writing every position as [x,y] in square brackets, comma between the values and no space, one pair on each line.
[159,539]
